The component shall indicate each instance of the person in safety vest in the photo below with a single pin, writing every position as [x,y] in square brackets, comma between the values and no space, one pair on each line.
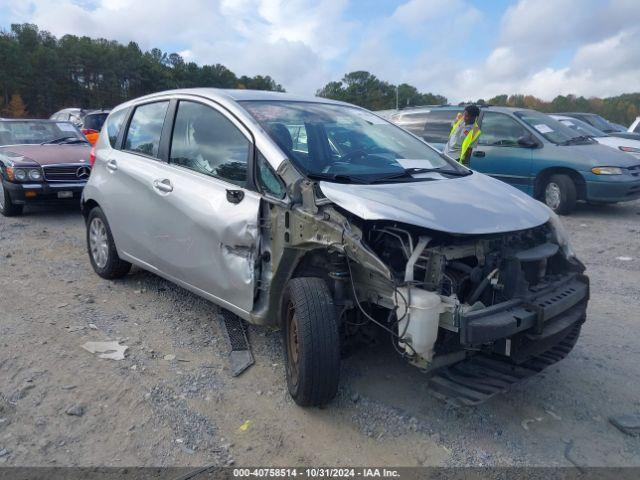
[464,134]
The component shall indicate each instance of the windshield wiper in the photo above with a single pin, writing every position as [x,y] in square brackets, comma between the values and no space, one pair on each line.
[338,177]
[581,138]
[446,171]
[59,140]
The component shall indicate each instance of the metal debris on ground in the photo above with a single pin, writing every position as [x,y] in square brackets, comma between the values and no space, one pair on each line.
[108,350]
[240,356]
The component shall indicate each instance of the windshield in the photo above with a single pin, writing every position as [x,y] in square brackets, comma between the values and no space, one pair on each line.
[601,124]
[19,132]
[339,142]
[583,128]
[552,129]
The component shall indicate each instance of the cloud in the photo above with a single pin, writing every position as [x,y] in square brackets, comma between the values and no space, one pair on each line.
[461,49]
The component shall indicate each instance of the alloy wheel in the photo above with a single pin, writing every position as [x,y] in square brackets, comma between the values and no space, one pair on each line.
[98,242]
[1,195]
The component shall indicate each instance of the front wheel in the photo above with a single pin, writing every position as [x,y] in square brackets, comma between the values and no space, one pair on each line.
[312,343]
[559,194]
[102,250]
[7,207]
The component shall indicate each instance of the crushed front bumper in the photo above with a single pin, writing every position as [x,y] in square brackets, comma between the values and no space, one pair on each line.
[553,309]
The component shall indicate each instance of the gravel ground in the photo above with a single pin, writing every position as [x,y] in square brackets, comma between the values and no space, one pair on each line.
[172,400]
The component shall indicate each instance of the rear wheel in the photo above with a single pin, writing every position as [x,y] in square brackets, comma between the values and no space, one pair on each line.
[559,194]
[312,343]
[102,250]
[7,207]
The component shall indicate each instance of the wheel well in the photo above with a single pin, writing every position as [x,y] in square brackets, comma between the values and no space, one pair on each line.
[314,263]
[87,206]
[544,175]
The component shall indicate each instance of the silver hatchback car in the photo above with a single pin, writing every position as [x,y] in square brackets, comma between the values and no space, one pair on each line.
[340,227]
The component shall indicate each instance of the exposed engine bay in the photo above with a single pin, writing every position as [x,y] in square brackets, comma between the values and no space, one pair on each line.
[440,279]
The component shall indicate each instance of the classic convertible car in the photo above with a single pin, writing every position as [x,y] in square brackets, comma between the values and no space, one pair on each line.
[41,161]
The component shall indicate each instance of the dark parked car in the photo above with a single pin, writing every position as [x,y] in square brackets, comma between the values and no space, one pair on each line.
[602,124]
[41,161]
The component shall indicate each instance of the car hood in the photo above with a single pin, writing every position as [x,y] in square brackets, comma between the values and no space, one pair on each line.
[616,142]
[596,155]
[46,154]
[475,204]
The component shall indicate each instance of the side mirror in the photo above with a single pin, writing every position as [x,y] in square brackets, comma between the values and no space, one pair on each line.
[527,141]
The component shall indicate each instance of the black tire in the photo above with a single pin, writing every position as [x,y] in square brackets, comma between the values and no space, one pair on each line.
[7,207]
[312,342]
[112,266]
[559,194]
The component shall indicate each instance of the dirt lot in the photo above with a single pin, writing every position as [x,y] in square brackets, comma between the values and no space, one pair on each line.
[61,405]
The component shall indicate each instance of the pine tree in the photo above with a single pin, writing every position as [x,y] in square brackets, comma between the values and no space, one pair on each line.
[15,108]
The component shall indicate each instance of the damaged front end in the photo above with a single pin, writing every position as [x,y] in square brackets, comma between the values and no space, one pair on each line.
[443,298]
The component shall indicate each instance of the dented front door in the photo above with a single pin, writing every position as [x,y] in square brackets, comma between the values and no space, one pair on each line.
[207,239]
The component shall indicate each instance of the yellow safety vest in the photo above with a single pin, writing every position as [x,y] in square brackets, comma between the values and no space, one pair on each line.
[471,137]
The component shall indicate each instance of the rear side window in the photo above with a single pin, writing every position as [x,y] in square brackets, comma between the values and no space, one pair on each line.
[433,126]
[114,125]
[438,125]
[145,129]
[205,141]
[413,122]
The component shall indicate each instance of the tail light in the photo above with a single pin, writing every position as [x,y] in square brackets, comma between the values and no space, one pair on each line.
[92,156]
[88,131]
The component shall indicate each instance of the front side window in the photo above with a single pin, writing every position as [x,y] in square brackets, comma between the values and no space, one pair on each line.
[500,130]
[344,143]
[114,125]
[551,129]
[207,142]
[145,129]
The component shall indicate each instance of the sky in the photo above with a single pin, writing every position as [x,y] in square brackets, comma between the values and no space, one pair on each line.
[463,49]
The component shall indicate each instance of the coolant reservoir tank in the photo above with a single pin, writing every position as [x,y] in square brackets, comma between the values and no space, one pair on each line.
[420,324]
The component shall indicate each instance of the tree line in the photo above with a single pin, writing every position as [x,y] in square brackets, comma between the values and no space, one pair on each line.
[621,109]
[366,90]
[40,74]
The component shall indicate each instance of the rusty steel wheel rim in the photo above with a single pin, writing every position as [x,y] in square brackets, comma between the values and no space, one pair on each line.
[293,359]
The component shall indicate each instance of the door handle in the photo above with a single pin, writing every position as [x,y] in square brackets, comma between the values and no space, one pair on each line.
[112,165]
[478,153]
[163,185]
[235,196]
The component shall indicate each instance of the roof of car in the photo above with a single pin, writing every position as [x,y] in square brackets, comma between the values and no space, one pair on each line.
[47,120]
[436,108]
[239,95]
[571,114]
